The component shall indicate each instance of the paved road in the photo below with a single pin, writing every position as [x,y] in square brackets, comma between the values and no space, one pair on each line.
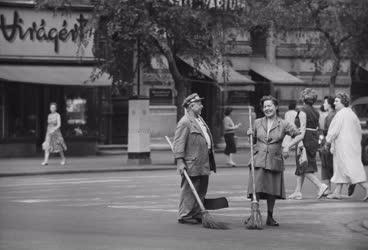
[137,210]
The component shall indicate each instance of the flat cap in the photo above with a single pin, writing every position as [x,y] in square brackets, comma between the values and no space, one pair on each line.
[190,99]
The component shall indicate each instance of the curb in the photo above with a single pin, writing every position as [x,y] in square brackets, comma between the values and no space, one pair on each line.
[145,168]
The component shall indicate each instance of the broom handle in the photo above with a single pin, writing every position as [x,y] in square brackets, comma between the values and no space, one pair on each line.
[194,191]
[251,154]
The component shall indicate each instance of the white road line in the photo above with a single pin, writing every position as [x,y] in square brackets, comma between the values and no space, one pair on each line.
[63,183]
[55,200]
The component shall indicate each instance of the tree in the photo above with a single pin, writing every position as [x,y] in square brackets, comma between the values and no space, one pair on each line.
[162,27]
[341,26]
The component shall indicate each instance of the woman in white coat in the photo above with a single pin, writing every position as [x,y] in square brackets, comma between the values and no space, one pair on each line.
[344,136]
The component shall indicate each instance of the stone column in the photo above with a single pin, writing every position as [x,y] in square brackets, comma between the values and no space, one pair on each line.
[139,152]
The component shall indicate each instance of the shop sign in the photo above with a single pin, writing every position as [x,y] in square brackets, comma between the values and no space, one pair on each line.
[30,32]
[160,96]
[238,97]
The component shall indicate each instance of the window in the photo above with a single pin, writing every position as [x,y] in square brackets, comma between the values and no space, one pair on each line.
[2,111]
[80,112]
[259,41]
[19,111]
[76,114]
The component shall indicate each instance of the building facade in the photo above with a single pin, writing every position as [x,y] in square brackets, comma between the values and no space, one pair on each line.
[42,61]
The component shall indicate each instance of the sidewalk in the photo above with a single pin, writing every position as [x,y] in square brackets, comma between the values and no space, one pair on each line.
[161,160]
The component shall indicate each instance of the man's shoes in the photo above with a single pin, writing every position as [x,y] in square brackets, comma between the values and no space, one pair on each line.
[189,221]
[271,222]
[295,196]
[322,190]
[351,189]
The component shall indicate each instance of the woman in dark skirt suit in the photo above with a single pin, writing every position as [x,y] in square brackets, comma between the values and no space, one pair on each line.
[229,132]
[268,133]
[309,122]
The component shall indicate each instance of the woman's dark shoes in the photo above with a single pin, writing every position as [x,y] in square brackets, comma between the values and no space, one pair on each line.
[351,189]
[271,222]
[199,220]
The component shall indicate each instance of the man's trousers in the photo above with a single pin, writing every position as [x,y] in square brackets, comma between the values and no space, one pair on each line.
[188,206]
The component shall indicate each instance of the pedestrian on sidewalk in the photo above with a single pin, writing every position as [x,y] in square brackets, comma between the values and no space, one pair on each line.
[325,155]
[229,133]
[344,137]
[194,151]
[268,133]
[307,120]
[54,141]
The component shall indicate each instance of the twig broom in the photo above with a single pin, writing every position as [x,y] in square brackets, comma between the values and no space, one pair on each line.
[208,221]
[255,219]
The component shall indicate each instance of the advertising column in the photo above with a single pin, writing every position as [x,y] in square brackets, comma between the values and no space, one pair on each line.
[139,132]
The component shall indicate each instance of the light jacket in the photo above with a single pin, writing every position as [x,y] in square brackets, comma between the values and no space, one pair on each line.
[268,151]
[191,145]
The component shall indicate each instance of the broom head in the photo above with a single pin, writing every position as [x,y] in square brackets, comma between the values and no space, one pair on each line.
[208,221]
[255,219]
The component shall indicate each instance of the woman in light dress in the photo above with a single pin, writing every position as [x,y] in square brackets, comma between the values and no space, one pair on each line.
[344,137]
[54,142]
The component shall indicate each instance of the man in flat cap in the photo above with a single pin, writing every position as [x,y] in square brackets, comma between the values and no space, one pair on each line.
[193,151]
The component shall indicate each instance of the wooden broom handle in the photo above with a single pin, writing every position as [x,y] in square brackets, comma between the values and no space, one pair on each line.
[194,191]
[251,154]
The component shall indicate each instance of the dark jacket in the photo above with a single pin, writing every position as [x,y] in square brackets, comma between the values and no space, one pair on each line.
[191,145]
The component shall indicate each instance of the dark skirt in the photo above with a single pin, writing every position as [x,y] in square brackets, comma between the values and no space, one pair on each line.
[267,183]
[311,147]
[327,164]
[230,144]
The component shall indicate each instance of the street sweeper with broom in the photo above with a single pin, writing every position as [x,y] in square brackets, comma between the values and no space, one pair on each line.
[266,179]
[194,154]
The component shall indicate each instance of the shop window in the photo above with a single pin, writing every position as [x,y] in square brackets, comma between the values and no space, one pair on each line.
[2,111]
[76,114]
[19,111]
[80,112]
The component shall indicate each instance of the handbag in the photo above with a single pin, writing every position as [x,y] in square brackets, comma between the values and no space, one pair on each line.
[302,156]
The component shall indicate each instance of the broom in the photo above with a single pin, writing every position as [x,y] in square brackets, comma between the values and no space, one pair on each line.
[208,221]
[255,219]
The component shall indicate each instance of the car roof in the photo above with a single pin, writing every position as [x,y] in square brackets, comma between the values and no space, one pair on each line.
[360,100]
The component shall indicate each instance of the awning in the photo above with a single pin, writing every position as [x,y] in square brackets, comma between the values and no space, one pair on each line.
[222,74]
[55,75]
[271,72]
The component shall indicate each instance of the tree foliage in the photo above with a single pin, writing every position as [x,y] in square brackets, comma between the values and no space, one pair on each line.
[341,26]
[168,28]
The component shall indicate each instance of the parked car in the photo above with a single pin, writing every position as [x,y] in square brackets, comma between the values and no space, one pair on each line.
[360,107]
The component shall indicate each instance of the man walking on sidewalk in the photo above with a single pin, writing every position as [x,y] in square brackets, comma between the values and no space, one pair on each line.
[193,151]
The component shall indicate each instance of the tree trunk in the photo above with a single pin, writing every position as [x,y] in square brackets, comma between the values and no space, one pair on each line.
[180,82]
[334,74]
